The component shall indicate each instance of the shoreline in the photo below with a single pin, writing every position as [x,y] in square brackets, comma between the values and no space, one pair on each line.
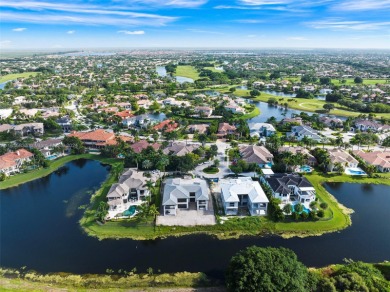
[233,228]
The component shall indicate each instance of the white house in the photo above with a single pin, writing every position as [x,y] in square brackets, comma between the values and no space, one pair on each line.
[11,162]
[243,192]
[130,190]
[343,157]
[299,132]
[291,188]
[261,129]
[180,193]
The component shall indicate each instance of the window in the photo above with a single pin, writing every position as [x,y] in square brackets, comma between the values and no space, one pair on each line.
[181,200]
[231,204]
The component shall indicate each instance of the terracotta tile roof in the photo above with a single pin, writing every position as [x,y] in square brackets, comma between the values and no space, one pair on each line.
[97,135]
[124,114]
[224,127]
[376,158]
[166,125]
[143,144]
[9,159]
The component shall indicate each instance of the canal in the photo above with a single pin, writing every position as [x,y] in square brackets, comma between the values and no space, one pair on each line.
[40,230]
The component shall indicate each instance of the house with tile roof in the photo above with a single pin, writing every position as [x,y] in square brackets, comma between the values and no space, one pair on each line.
[130,190]
[311,160]
[166,126]
[180,148]
[245,193]
[379,159]
[261,130]
[225,129]
[299,132]
[290,188]
[179,193]
[143,144]
[99,138]
[256,154]
[198,128]
[11,162]
[343,157]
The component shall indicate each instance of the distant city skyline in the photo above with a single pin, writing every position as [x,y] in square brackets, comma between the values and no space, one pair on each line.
[195,23]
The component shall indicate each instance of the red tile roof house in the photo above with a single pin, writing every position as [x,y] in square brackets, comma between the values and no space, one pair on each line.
[166,126]
[256,154]
[11,162]
[379,159]
[98,138]
[124,114]
[143,144]
[226,129]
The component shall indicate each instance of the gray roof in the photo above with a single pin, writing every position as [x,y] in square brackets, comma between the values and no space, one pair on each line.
[177,188]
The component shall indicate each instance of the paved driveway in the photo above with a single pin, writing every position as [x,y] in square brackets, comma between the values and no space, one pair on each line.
[191,217]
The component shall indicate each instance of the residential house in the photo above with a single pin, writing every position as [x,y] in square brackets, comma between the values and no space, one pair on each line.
[343,157]
[379,159]
[124,114]
[311,160]
[143,144]
[129,190]
[299,132]
[245,193]
[296,120]
[46,147]
[5,113]
[180,193]
[11,162]
[6,128]
[180,148]
[198,128]
[261,130]
[365,125]
[290,188]
[99,138]
[234,108]
[166,126]
[226,129]
[203,111]
[66,123]
[331,122]
[29,128]
[256,154]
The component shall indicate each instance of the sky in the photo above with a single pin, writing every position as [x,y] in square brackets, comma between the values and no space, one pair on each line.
[48,24]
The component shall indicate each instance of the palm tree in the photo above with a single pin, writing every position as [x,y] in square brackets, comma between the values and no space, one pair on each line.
[287,209]
[147,164]
[149,186]
[143,211]
[153,211]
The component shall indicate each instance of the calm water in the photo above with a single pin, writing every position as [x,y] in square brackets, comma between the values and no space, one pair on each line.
[39,229]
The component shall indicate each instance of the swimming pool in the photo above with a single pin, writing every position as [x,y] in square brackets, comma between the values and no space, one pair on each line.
[355,171]
[130,212]
[305,168]
[51,157]
[306,210]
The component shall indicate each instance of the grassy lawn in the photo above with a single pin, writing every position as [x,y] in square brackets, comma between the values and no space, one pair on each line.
[187,71]
[12,280]
[211,170]
[251,115]
[311,105]
[350,81]
[55,164]
[9,77]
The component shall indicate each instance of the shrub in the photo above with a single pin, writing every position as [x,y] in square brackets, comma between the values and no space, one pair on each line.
[324,205]
[321,213]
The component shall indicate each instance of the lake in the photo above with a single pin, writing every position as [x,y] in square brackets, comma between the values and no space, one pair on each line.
[40,230]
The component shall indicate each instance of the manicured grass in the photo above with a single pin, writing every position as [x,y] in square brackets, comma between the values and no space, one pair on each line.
[350,81]
[187,71]
[211,170]
[251,115]
[55,164]
[9,77]
[312,105]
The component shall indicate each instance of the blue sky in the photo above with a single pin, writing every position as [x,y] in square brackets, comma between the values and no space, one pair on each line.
[48,24]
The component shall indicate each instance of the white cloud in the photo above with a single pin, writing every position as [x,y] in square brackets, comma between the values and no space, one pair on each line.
[132,32]
[19,29]
[172,3]
[352,5]
[85,19]
[265,2]
[30,11]
[297,38]
[337,24]
[203,31]
[5,44]
[70,31]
